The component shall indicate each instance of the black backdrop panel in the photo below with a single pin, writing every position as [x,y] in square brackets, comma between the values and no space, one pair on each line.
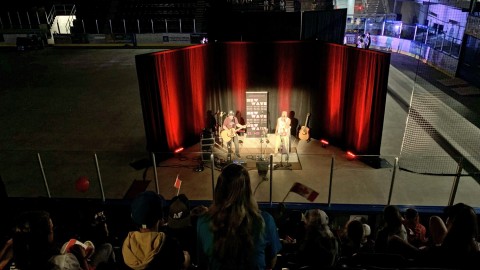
[328,26]
[324,25]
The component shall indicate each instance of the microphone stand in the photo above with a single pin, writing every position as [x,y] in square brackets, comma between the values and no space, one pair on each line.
[283,152]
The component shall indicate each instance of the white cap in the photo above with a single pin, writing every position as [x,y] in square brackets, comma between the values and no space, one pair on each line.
[366,230]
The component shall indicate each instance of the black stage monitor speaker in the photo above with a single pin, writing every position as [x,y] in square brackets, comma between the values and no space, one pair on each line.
[206,152]
[262,167]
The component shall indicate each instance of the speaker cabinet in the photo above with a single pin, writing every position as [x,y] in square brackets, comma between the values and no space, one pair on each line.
[262,167]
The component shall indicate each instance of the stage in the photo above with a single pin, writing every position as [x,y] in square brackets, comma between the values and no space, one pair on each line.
[253,150]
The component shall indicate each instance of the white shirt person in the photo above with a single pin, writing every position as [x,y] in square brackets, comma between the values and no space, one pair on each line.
[282,133]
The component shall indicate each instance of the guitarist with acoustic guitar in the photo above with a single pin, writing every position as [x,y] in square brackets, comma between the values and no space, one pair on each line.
[304,133]
[230,127]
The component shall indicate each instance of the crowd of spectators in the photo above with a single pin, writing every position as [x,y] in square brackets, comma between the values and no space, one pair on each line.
[234,233]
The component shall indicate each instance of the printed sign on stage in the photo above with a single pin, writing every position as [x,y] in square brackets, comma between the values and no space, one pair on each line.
[257,114]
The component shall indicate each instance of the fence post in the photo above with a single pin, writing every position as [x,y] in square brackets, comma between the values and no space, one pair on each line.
[155,172]
[43,174]
[29,22]
[212,159]
[19,20]
[10,20]
[456,181]
[332,165]
[271,178]
[99,178]
[395,165]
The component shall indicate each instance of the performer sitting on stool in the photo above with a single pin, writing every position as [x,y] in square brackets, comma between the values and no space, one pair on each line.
[282,133]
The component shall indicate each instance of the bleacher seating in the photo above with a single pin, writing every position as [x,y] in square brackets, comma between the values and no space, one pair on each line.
[136,16]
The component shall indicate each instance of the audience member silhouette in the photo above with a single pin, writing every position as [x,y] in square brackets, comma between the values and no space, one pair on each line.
[291,228]
[235,233]
[367,40]
[459,248]
[6,254]
[352,237]
[416,232]
[210,122]
[319,249]
[368,244]
[241,121]
[361,41]
[437,229]
[355,240]
[179,224]
[392,237]
[148,248]
[293,123]
[34,247]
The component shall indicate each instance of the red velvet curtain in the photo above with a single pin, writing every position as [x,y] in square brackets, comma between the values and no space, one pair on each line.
[173,91]
[332,109]
[285,63]
[237,74]
[365,101]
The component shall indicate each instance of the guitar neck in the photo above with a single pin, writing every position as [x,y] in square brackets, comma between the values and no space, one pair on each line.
[306,120]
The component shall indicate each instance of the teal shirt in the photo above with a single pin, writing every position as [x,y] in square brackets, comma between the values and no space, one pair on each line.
[268,241]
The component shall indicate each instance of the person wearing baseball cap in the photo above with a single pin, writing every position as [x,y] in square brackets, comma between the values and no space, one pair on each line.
[147,248]
[229,133]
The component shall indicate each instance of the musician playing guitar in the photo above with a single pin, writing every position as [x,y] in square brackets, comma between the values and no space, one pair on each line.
[230,127]
[282,133]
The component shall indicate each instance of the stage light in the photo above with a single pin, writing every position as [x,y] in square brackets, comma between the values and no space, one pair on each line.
[324,143]
[351,156]
[178,153]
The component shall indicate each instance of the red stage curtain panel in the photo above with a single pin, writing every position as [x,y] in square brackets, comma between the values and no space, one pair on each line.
[365,100]
[285,67]
[334,79]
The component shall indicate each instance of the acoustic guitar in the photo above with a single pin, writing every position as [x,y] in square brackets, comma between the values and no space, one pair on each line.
[228,134]
[304,133]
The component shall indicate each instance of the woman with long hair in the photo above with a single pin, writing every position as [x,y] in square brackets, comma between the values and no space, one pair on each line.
[235,233]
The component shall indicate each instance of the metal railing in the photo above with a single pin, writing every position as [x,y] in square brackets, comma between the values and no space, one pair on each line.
[336,178]
[381,26]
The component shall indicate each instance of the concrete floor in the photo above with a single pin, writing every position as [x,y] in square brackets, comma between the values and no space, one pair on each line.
[63,112]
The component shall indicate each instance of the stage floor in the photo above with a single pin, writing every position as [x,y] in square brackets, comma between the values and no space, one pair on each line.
[254,149]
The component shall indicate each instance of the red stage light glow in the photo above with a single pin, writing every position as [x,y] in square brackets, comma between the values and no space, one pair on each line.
[178,150]
[350,155]
[324,142]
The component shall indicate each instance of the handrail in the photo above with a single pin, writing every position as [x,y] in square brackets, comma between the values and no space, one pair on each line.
[70,20]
